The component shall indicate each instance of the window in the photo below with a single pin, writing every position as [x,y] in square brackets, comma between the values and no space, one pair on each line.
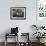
[41,8]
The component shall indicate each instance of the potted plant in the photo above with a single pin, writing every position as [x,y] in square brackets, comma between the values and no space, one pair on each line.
[39,35]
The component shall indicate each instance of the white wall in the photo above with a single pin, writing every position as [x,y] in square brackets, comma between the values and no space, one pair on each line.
[24,25]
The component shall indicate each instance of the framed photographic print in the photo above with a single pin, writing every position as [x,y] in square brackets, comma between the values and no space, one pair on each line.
[18,13]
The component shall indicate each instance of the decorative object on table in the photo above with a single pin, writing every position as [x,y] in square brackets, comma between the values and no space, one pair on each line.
[18,13]
[14,30]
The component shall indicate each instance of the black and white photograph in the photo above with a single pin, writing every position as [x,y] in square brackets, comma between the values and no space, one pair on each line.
[18,13]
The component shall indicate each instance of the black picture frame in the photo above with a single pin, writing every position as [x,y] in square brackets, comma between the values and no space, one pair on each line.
[18,13]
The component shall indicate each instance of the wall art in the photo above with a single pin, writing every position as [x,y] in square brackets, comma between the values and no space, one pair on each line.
[18,13]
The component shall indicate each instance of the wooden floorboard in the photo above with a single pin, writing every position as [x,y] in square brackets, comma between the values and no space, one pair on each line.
[13,44]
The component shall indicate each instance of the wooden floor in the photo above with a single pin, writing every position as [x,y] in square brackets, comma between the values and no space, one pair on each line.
[13,44]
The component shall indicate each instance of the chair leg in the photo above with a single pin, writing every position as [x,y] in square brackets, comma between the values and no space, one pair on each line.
[5,39]
[5,43]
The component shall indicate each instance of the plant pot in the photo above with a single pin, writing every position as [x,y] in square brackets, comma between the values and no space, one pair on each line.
[40,41]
